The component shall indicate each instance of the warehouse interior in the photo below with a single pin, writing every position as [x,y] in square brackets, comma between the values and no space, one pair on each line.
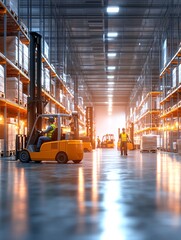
[107,57]
[117,63]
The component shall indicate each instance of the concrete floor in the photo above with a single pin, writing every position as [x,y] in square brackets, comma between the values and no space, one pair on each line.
[106,197]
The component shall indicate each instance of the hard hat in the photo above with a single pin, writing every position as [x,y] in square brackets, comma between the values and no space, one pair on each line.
[51,119]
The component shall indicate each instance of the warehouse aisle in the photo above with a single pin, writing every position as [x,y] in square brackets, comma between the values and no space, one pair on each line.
[106,197]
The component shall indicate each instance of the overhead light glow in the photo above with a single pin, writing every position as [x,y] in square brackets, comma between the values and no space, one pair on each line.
[111,54]
[110,89]
[111,68]
[110,76]
[110,83]
[113,9]
[112,34]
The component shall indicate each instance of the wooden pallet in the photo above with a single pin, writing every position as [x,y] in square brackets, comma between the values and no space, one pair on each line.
[13,14]
[7,153]
[25,71]
[148,150]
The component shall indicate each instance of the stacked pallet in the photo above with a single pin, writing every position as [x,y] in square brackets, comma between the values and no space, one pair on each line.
[148,143]
[179,146]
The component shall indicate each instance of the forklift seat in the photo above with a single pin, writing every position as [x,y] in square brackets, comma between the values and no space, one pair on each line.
[54,135]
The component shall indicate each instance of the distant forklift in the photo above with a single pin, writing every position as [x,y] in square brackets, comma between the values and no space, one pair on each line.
[107,141]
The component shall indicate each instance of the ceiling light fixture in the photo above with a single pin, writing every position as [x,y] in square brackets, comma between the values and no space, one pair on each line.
[111,54]
[110,83]
[113,9]
[110,77]
[112,34]
[111,68]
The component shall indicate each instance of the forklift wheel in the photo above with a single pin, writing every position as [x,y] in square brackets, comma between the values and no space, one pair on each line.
[24,156]
[61,158]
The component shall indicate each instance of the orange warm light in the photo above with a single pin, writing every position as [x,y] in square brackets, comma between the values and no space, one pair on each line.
[1,119]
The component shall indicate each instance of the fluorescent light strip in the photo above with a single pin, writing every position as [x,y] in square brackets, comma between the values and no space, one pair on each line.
[112,34]
[111,54]
[111,68]
[113,9]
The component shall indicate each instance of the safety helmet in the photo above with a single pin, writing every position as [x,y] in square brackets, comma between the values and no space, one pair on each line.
[51,120]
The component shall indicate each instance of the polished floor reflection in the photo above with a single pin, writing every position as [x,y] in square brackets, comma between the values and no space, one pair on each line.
[106,197]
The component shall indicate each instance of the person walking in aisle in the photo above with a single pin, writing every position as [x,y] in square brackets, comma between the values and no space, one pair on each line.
[124,139]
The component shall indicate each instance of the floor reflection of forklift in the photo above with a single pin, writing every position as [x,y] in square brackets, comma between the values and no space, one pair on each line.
[63,147]
[107,141]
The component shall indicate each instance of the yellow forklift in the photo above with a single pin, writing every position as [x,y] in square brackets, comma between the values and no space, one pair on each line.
[107,141]
[62,147]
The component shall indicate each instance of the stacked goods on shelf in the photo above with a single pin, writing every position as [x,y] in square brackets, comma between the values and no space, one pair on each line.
[72,105]
[1,134]
[53,108]
[20,54]
[45,49]
[46,79]
[24,99]
[12,5]
[13,45]
[60,96]
[179,146]
[148,143]
[12,89]
[66,102]
[53,88]
[80,102]
[25,60]
[11,133]
[1,80]
[47,108]
[1,145]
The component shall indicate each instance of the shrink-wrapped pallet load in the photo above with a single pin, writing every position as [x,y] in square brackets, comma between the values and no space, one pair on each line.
[1,80]
[1,145]
[12,131]
[45,49]
[12,89]
[148,143]
[24,99]
[13,45]
[46,79]
[25,60]
[13,6]
[179,146]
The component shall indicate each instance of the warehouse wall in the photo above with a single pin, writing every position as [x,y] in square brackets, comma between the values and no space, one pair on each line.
[105,123]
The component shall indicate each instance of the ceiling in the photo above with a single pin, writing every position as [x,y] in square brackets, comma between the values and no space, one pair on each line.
[136,45]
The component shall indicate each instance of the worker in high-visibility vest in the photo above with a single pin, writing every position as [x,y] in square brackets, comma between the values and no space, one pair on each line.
[124,138]
[49,132]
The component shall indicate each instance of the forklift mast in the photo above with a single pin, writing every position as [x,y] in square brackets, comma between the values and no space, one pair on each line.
[34,104]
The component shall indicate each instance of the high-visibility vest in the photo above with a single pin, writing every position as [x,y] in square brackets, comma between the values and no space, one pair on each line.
[49,134]
[124,137]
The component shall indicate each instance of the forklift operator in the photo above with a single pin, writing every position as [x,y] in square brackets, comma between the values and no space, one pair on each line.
[49,131]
